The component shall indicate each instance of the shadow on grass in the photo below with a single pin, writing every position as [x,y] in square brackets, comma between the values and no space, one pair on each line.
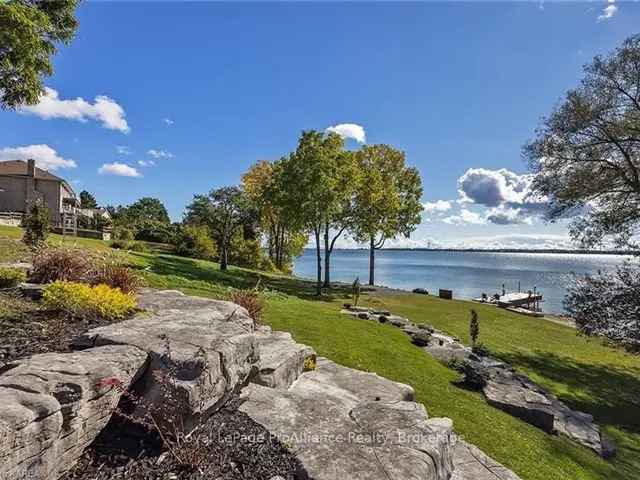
[611,394]
[238,277]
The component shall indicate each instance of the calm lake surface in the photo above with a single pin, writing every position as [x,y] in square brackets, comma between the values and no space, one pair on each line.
[468,274]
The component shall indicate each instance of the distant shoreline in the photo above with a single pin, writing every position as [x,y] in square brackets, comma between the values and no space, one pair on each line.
[498,250]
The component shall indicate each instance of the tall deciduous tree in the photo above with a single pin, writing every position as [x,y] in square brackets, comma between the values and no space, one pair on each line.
[387,198]
[341,215]
[586,154]
[87,200]
[29,33]
[313,178]
[279,219]
[225,211]
[146,209]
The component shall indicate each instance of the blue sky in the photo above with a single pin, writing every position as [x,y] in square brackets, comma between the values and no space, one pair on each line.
[172,99]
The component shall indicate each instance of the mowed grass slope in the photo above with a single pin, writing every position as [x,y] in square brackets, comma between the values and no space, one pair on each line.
[586,374]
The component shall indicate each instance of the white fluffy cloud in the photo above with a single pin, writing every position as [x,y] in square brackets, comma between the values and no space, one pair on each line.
[160,153]
[168,121]
[146,163]
[507,194]
[119,169]
[123,150]
[466,216]
[439,206]
[104,110]
[609,11]
[45,156]
[349,130]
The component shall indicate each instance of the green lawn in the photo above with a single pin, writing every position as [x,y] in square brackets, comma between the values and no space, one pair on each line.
[586,374]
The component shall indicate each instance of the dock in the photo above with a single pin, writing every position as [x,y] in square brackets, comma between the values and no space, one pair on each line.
[519,299]
[525,303]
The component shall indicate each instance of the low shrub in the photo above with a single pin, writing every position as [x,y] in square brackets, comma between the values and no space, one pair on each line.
[457,364]
[195,242]
[252,300]
[61,263]
[120,244]
[88,302]
[109,272]
[246,253]
[138,247]
[124,234]
[310,363]
[481,350]
[10,277]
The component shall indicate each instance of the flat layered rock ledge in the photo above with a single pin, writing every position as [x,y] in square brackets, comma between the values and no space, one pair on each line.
[339,422]
[501,385]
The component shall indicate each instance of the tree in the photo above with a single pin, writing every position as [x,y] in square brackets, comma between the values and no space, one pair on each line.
[147,218]
[144,210]
[387,198]
[87,200]
[224,211]
[341,215]
[29,33]
[608,304]
[474,328]
[279,219]
[586,154]
[36,225]
[194,241]
[313,180]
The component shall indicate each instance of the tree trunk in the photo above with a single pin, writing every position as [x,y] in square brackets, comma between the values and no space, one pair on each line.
[327,255]
[223,256]
[372,261]
[319,261]
[281,242]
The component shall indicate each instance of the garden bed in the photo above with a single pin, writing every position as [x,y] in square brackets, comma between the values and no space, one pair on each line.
[28,329]
[230,446]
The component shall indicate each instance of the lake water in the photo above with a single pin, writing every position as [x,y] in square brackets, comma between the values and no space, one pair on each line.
[468,274]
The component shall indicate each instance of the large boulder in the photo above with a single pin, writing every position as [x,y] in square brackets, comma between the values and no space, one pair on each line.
[447,349]
[53,406]
[519,396]
[343,423]
[206,346]
[421,338]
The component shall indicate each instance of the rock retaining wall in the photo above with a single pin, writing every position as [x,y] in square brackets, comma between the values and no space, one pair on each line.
[502,387]
[340,422]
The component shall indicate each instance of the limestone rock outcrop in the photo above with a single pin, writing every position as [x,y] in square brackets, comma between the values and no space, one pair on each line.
[341,422]
[208,346]
[518,395]
[52,407]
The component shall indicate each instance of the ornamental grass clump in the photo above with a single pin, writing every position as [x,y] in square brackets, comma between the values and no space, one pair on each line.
[108,271]
[252,300]
[81,300]
[61,263]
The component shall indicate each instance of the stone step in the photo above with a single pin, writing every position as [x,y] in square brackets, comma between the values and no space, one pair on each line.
[344,423]
[282,360]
